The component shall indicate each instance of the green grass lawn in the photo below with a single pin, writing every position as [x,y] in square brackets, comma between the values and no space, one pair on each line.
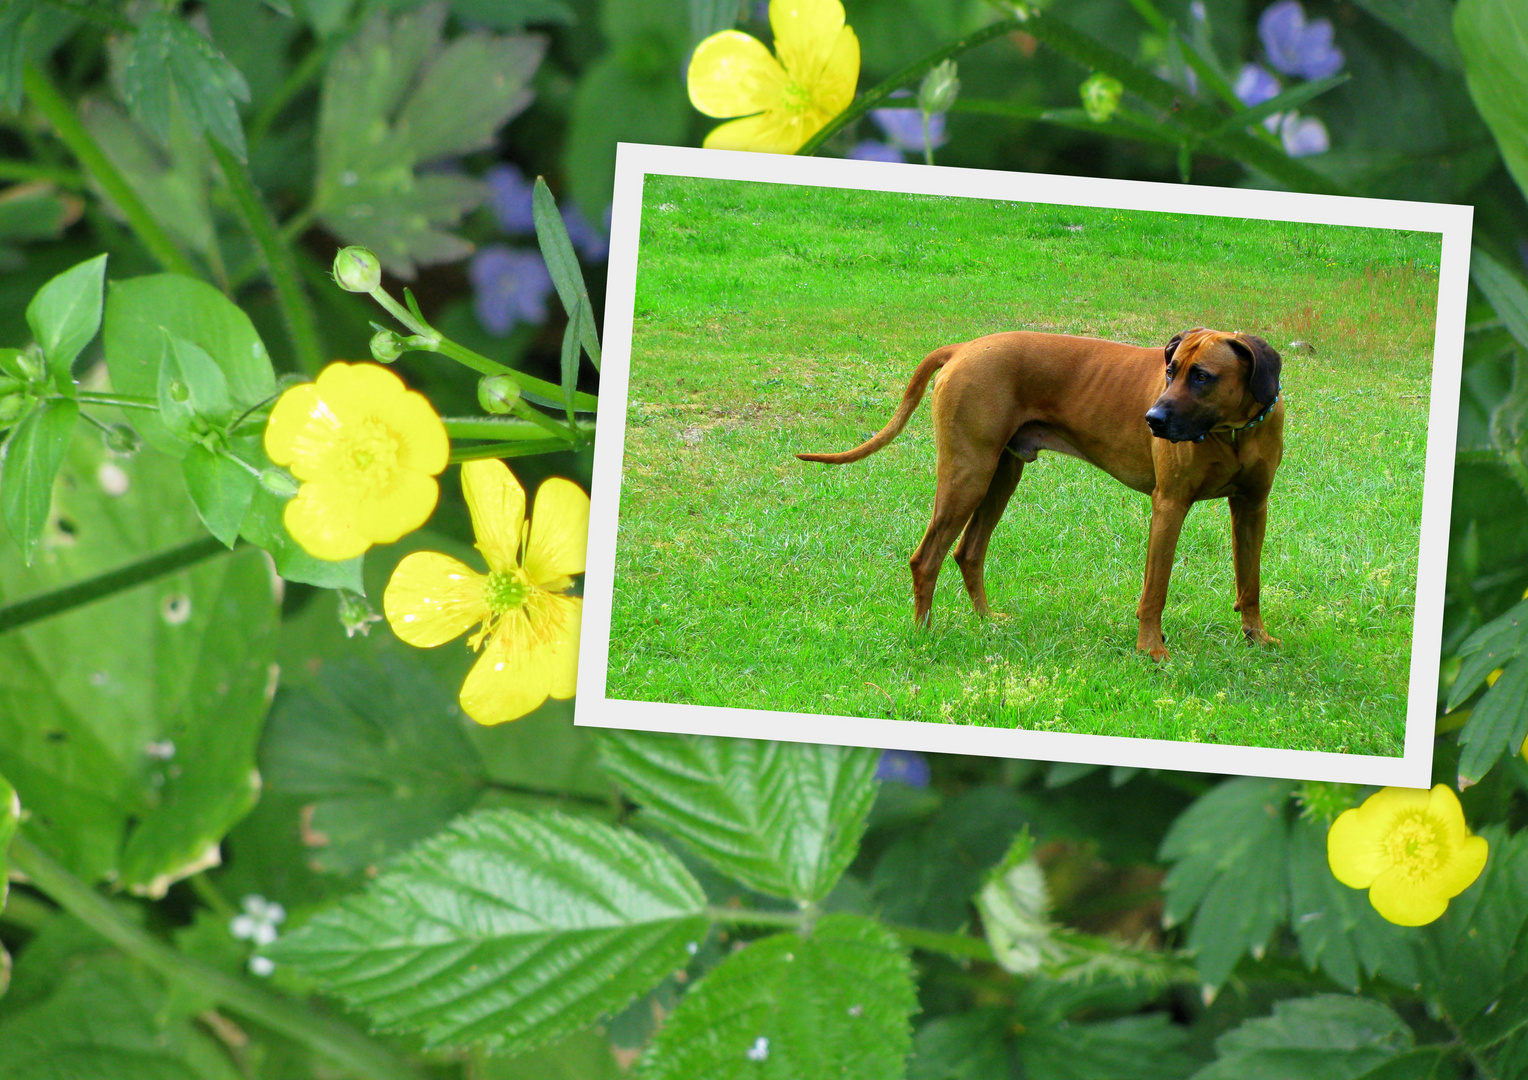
[776,319]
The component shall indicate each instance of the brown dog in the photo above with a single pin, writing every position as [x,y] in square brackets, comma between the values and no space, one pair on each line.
[1213,428]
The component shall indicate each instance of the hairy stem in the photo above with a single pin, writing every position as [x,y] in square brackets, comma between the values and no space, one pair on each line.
[66,124]
[296,311]
[480,363]
[340,1043]
[517,448]
[121,401]
[80,593]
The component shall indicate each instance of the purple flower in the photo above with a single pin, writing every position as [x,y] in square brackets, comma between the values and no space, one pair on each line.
[870,150]
[905,766]
[904,128]
[587,239]
[1303,135]
[1255,84]
[509,287]
[509,195]
[1297,47]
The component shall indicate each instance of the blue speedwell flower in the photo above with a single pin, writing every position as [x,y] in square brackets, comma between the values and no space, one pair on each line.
[1303,136]
[1295,46]
[587,238]
[905,766]
[1255,84]
[509,196]
[903,128]
[509,287]
[870,150]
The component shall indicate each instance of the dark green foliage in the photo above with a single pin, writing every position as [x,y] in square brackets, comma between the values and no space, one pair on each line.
[168,63]
[1319,1038]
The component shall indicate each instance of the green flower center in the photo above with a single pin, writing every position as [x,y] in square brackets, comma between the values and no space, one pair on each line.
[505,591]
[1415,847]
[796,98]
[373,451]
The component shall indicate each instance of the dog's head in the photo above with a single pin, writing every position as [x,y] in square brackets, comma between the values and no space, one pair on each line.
[1213,379]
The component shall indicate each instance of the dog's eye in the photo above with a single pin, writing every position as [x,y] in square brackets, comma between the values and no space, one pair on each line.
[1199,376]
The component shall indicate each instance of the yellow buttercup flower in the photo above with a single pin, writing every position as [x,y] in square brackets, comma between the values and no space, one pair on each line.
[529,631]
[1410,848]
[367,450]
[783,102]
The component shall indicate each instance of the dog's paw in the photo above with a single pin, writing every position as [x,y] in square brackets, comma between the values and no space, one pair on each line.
[1259,636]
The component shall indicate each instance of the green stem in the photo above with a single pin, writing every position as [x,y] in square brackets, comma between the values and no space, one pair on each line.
[80,593]
[121,401]
[340,1043]
[549,390]
[958,946]
[66,124]
[26,911]
[558,428]
[295,308]
[481,428]
[212,896]
[307,70]
[29,170]
[913,72]
[518,448]
[406,317]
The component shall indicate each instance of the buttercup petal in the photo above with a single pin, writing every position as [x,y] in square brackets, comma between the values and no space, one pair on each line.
[424,446]
[565,618]
[1443,807]
[432,598]
[733,74]
[401,509]
[357,391]
[806,32]
[1354,851]
[1464,865]
[511,677]
[322,519]
[1399,900]
[497,503]
[287,421]
[834,88]
[559,540]
[769,133]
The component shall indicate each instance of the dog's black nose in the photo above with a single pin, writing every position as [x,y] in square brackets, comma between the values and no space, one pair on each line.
[1156,419]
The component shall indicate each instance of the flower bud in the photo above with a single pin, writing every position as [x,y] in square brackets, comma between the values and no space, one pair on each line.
[940,87]
[122,440]
[13,400]
[356,615]
[386,346]
[498,394]
[279,483]
[1322,801]
[32,364]
[1100,96]
[357,270]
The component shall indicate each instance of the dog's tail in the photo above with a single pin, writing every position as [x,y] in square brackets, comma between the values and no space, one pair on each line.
[914,394]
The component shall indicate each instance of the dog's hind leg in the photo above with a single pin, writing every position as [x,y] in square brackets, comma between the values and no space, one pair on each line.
[971,554]
[964,480]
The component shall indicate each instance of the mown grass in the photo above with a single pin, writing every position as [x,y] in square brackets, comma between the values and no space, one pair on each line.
[774,319]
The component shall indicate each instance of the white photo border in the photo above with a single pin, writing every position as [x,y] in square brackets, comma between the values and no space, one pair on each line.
[1413,769]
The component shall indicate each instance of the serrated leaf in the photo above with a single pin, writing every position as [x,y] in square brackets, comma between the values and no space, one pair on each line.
[140,311]
[263,527]
[1423,1063]
[1229,855]
[568,278]
[963,1046]
[65,314]
[834,1003]
[103,1022]
[1496,726]
[375,743]
[1338,928]
[29,462]
[782,818]
[222,490]
[1488,648]
[1131,1048]
[169,61]
[1492,36]
[1327,1037]
[507,929]
[129,726]
[393,100]
[1505,291]
[10,816]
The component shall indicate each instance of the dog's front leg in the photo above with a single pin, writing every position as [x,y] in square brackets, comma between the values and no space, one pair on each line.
[1167,514]
[1249,521]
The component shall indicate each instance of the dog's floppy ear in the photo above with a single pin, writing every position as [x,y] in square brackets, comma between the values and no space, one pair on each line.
[1177,339]
[1263,378]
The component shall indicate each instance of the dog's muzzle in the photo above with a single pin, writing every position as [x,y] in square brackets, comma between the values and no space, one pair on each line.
[1166,425]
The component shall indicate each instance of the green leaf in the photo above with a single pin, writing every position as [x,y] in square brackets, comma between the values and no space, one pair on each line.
[507,929]
[29,461]
[13,16]
[140,311]
[129,726]
[391,101]
[782,818]
[192,391]
[962,1046]
[1505,291]
[10,815]
[1338,928]
[222,490]
[583,1056]
[1424,23]
[65,314]
[1492,35]
[375,743]
[709,17]
[263,527]
[1497,725]
[628,95]
[1131,1048]
[1229,851]
[513,16]
[562,265]
[1488,648]
[1327,1037]
[834,1003]
[169,61]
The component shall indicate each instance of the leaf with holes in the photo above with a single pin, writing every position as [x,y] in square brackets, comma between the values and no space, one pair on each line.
[129,725]
[1230,873]
[782,818]
[507,929]
[1328,1037]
